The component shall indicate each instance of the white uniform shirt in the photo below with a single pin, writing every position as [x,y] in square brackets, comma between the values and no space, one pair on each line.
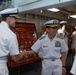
[8,41]
[64,33]
[50,48]
[74,40]
[66,37]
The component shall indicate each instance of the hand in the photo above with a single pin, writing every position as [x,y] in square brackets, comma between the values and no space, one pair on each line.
[61,30]
[63,71]
[25,53]
[22,55]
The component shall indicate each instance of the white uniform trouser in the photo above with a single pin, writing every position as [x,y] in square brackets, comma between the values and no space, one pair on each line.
[3,68]
[51,67]
[73,69]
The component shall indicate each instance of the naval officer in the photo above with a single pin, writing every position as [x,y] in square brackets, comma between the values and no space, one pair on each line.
[53,50]
[73,46]
[8,40]
[62,31]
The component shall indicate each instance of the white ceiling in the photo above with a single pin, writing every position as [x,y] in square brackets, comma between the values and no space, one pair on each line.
[66,7]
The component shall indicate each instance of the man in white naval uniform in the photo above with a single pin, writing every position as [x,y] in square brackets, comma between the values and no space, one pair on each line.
[62,31]
[8,41]
[73,69]
[73,45]
[53,50]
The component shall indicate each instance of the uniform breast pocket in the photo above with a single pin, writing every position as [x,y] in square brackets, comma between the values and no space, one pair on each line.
[45,50]
[57,49]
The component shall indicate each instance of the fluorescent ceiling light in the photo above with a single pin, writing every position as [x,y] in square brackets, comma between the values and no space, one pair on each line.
[73,16]
[53,9]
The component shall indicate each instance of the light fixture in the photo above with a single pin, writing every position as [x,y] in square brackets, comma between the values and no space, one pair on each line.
[73,16]
[41,11]
[53,9]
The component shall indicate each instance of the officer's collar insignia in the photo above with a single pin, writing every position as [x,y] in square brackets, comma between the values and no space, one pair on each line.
[45,46]
[42,37]
[57,44]
[60,36]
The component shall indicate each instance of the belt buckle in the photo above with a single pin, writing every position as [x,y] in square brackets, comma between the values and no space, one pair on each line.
[52,59]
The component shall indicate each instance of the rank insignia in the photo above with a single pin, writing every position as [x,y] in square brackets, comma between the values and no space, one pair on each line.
[60,36]
[42,37]
[55,22]
[57,44]
[45,46]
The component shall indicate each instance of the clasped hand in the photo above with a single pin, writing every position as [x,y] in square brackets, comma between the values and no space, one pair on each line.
[25,54]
